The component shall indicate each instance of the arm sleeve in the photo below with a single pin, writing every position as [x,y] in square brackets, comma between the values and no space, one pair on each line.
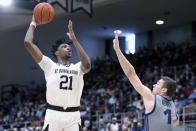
[46,64]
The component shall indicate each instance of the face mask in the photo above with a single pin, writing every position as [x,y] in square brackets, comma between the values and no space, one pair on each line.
[87,125]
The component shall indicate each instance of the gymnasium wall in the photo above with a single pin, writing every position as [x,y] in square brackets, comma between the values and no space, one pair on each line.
[141,40]
[175,34]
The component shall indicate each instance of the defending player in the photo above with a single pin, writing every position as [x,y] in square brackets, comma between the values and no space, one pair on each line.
[64,82]
[160,112]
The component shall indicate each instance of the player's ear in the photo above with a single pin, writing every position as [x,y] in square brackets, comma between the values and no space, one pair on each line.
[57,53]
[164,90]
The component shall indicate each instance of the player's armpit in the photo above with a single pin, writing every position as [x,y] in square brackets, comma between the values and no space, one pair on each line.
[85,69]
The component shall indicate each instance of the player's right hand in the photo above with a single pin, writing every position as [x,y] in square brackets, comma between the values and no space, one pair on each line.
[116,42]
[33,19]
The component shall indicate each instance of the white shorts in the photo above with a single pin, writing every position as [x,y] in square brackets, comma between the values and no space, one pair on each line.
[62,121]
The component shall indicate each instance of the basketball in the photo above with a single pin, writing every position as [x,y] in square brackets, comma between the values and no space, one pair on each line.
[43,13]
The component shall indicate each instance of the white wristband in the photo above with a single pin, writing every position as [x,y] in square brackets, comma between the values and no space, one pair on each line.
[33,24]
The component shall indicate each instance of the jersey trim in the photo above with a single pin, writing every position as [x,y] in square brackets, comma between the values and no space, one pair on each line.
[153,107]
[146,124]
[176,114]
[166,98]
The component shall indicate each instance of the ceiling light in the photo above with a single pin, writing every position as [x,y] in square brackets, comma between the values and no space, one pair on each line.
[5,2]
[159,22]
[119,31]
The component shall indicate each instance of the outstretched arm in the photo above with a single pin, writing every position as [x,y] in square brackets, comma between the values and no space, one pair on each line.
[86,63]
[131,74]
[28,42]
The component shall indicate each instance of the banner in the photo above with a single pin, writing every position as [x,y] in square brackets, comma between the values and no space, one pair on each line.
[85,5]
[61,3]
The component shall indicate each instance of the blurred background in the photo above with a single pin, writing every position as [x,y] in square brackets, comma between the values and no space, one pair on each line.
[158,37]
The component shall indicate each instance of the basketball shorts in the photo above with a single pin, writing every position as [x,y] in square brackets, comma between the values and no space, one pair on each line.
[62,121]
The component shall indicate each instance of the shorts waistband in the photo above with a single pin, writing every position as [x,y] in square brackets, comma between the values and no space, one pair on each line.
[63,109]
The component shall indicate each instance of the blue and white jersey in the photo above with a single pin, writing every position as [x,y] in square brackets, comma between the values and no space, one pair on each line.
[162,116]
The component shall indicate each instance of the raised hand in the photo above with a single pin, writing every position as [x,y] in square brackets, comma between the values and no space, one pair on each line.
[71,34]
[33,20]
[116,41]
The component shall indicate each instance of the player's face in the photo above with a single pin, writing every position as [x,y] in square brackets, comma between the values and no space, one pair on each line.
[65,50]
[157,88]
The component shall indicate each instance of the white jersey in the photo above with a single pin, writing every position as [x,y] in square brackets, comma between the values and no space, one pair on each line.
[64,83]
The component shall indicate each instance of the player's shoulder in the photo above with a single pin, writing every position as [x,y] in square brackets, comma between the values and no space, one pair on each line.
[77,64]
[46,58]
[46,61]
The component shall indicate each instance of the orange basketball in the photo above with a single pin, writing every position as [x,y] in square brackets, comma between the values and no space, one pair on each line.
[43,13]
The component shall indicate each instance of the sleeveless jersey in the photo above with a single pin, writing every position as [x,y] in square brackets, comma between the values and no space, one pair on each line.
[162,116]
[64,83]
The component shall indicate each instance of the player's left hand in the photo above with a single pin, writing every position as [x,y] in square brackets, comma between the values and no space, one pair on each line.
[116,41]
[71,34]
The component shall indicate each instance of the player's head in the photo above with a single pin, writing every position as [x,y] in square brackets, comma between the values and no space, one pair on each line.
[62,50]
[165,86]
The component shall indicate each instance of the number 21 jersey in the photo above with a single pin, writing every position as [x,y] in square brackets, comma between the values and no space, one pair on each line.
[64,83]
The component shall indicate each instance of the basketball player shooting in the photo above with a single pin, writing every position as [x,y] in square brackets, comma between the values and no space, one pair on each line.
[64,81]
[160,111]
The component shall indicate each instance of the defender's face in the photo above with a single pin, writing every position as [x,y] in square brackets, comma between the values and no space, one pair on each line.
[157,88]
[65,50]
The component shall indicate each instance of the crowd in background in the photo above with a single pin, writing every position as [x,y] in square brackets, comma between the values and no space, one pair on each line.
[108,91]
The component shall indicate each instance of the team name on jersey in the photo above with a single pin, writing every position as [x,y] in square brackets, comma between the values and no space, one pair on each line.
[166,103]
[66,71]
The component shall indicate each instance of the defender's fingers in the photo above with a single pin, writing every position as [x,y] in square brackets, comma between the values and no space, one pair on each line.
[70,25]
[116,35]
[70,22]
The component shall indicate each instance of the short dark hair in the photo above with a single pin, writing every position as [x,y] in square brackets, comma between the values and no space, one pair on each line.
[170,85]
[57,44]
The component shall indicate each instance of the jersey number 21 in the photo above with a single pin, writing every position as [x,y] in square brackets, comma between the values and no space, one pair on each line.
[65,81]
